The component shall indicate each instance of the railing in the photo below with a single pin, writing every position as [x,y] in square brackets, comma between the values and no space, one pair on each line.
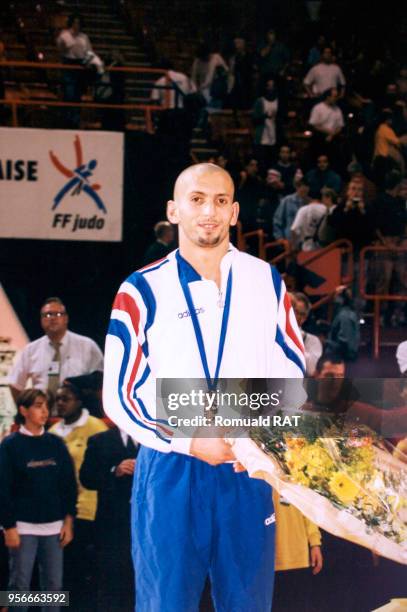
[376,297]
[346,248]
[15,103]
[242,238]
[278,244]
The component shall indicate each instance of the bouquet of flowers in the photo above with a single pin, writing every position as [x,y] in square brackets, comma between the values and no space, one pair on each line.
[340,475]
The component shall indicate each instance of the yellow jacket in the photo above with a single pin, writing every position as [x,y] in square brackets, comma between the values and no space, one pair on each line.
[295,534]
[77,441]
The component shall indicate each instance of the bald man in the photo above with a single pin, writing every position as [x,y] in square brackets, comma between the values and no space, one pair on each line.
[204,311]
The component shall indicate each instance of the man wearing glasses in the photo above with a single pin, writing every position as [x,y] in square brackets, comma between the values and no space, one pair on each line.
[55,356]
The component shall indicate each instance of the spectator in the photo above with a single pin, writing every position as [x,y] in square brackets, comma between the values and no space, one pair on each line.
[241,65]
[401,356]
[90,386]
[273,187]
[390,223]
[164,240]
[304,229]
[287,169]
[344,337]
[325,75]
[323,176]
[108,468]
[110,89]
[37,497]
[75,429]
[326,121]
[353,218]
[298,547]
[249,192]
[287,210]
[172,87]
[356,175]
[75,49]
[330,366]
[312,344]
[265,120]
[273,56]
[209,75]
[314,55]
[53,357]
[387,150]
[325,232]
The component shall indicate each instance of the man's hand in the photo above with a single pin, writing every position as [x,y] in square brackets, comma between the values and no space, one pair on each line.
[12,538]
[316,559]
[212,450]
[125,468]
[66,533]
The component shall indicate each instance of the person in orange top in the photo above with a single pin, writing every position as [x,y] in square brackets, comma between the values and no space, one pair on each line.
[387,149]
[298,547]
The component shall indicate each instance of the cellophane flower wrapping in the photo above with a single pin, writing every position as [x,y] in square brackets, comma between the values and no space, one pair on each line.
[341,476]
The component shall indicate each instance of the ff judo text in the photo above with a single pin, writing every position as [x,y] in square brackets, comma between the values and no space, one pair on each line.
[76,222]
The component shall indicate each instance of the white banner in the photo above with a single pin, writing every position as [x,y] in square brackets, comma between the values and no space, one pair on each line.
[61,184]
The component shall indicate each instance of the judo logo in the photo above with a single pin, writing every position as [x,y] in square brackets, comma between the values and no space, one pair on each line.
[78,178]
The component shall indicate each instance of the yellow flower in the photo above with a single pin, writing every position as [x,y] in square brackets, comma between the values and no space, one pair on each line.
[343,487]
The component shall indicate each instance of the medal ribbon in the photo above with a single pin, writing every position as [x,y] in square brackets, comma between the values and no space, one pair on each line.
[212,383]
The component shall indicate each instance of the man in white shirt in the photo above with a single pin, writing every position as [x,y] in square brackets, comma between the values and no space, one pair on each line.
[75,49]
[324,75]
[71,42]
[326,117]
[305,226]
[55,356]
[170,89]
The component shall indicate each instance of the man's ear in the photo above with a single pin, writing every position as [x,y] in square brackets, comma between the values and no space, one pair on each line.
[172,212]
[235,213]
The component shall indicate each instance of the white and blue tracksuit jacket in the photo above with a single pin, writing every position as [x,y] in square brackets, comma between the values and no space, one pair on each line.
[189,518]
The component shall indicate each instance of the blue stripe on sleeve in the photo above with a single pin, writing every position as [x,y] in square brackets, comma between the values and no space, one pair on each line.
[275,275]
[289,353]
[120,331]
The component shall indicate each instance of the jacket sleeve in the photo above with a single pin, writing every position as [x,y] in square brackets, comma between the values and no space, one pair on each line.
[69,489]
[313,533]
[288,353]
[7,516]
[129,387]
[94,471]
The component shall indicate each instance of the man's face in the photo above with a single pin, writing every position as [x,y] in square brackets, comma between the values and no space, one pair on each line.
[285,155]
[300,311]
[323,163]
[332,370]
[204,209]
[330,382]
[54,320]
[327,56]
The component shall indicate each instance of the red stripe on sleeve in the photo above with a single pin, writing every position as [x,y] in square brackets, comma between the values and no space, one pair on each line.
[288,328]
[125,302]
